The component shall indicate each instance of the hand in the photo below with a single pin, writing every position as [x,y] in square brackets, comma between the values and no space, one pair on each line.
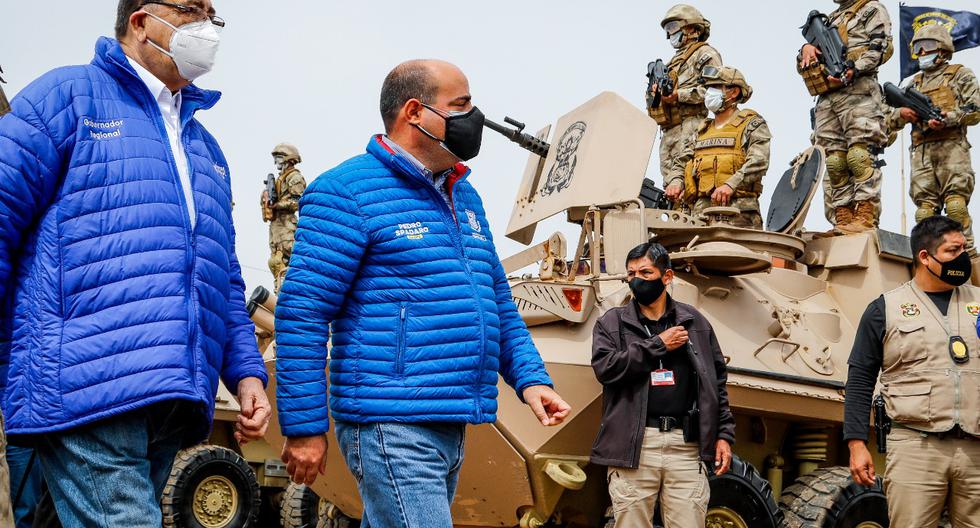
[908,115]
[723,195]
[253,419]
[674,191]
[846,79]
[862,465]
[670,99]
[936,124]
[810,53]
[265,198]
[305,457]
[723,457]
[674,337]
[546,404]
[654,88]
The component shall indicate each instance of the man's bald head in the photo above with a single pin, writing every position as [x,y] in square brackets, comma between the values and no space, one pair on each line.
[414,79]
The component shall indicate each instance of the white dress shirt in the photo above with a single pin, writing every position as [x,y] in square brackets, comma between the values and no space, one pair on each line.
[169,104]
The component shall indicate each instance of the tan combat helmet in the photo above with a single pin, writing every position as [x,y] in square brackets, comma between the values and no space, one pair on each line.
[726,76]
[289,152]
[690,16]
[935,32]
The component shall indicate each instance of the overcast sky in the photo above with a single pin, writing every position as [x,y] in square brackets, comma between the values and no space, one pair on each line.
[309,73]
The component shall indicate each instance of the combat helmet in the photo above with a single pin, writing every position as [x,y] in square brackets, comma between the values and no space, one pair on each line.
[690,16]
[936,32]
[289,152]
[726,76]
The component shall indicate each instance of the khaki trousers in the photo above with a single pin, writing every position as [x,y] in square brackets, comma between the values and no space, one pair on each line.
[6,511]
[922,473]
[670,471]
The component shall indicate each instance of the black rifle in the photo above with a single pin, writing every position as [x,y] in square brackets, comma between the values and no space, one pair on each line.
[657,76]
[883,424]
[517,135]
[270,188]
[919,102]
[833,53]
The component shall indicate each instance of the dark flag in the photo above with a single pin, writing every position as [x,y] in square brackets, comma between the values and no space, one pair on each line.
[964,26]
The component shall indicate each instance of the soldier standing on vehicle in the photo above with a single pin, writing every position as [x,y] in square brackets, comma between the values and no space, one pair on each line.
[942,174]
[724,162]
[922,338]
[280,210]
[680,113]
[665,401]
[850,121]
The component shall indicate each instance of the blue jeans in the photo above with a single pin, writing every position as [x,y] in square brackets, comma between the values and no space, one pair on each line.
[406,473]
[25,476]
[111,473]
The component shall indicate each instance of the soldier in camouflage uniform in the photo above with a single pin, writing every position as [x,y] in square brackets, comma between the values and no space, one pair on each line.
[724,161]
[850,119]
[942,174]
[680,114]
[281,214]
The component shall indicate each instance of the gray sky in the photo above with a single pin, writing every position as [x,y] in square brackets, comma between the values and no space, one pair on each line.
[309,72]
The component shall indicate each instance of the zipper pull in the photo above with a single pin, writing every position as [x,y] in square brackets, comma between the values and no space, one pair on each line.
[404,309]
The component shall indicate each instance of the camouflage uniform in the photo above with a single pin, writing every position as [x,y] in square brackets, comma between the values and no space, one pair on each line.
[736,154]
[6,509]
[942,173]
[850,121]
[4,105]
[680,121]
[290,186]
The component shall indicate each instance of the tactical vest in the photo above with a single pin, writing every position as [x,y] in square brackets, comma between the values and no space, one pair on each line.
[671,115]
[923,388]
[718,155]
[942,96]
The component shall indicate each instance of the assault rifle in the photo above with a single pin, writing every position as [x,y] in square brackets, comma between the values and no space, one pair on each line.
[833,53]
[919,102]
[657,76]
[271,196]
[517,135]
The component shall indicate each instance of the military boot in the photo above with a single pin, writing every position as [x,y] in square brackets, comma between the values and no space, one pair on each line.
[864,219]
[843,215]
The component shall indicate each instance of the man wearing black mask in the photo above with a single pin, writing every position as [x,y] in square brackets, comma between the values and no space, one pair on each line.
[665,404]
[922,337]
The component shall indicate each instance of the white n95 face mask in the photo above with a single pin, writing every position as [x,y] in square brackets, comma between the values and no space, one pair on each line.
[714,99]
[193,47]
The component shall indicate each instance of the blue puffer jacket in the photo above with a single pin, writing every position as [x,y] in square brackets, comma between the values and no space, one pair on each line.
[112,300]
[421,313]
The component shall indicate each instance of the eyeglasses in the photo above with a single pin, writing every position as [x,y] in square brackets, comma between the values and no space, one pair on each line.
[197,12]
[673,27]
[926,46]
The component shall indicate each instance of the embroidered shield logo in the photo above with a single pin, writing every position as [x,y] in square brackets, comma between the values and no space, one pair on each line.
[973,309]
[910,310]
[474,223]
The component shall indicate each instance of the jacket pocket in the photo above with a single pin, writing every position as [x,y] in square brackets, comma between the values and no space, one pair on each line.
[402,338]
[910,403]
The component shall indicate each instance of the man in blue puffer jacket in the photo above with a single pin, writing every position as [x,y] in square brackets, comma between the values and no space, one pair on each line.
[121,293]
[394,254]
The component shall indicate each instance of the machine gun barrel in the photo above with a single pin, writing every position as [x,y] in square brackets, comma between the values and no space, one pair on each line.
[909,97]
[517,135]
[818,32]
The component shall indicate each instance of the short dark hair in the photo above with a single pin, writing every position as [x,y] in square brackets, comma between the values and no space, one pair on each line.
[928,234]
[409,80]
[123,12]
[653,251]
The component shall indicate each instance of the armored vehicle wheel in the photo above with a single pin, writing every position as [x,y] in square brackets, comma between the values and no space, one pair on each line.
[828,498]
[742,499]
[301,507]
[210,487]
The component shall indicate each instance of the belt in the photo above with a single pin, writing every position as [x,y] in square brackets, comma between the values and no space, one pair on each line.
[664,423]
[956,432]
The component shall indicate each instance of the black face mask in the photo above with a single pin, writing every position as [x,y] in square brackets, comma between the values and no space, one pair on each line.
[647,291]
[955,272]
[464,132]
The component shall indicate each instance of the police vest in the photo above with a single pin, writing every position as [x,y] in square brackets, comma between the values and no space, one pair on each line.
[671,115]
[718,155]
[942,96]
[923,387]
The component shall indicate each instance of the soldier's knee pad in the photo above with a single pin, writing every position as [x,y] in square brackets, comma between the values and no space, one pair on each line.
[837,168]
[956,209]
[924,211]
[860,163]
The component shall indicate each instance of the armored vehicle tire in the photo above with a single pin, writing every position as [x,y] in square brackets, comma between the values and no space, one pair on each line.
[210,487]
[301,507]
[828,498]
[741,498]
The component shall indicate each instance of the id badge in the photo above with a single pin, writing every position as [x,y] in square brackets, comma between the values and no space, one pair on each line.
[662,377]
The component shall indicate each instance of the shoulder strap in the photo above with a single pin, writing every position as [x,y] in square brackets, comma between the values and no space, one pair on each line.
[684,57]
[951,71]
